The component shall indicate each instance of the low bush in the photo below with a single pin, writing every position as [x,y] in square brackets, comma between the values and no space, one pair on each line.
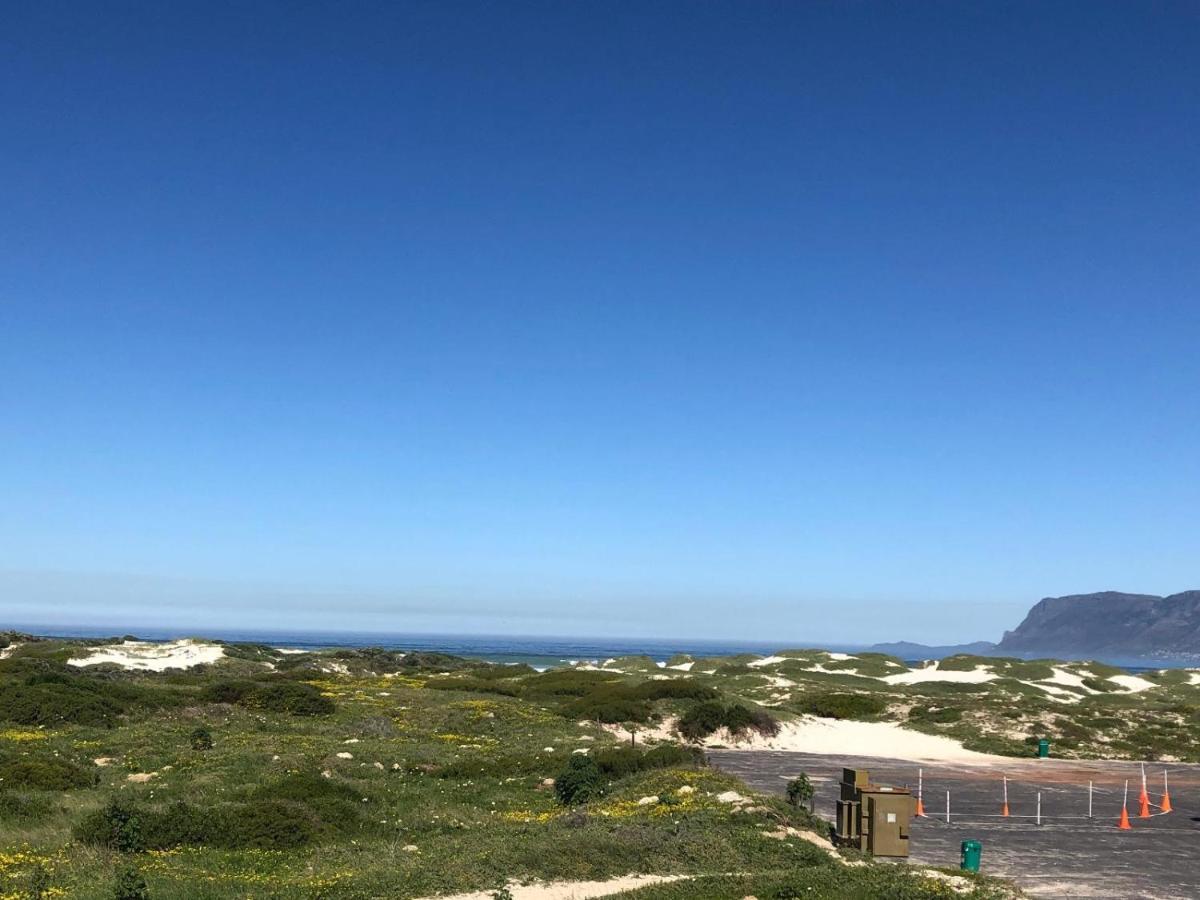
[293,697]
[617,762]
[22,807]
[939,715]
[709,716]
[472,684]
[674,689]
[130,885]
[45,774]
[54,703]
[609,707]
[260,824]
[201,739]
[842,706]
[580,782]
[229,691]
[282,695]
[565,683]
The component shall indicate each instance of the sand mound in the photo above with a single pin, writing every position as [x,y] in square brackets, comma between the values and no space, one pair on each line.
[153,657]
[841,736]
[934,672]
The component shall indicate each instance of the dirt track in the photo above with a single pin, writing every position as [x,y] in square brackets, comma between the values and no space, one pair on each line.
[1067,856]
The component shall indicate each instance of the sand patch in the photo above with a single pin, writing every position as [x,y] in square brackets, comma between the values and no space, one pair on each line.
[933,672]
[1131,683]
[848,738]
[766,661]
[1067,679]
[153,657]
[832,737]
[567,890]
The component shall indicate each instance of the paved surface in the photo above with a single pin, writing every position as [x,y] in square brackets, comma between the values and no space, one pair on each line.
[1067,856]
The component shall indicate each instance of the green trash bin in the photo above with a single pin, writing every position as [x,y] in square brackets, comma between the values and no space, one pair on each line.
[972,851]
[1043,748]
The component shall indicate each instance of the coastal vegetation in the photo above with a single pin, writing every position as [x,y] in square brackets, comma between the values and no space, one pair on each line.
[372,773]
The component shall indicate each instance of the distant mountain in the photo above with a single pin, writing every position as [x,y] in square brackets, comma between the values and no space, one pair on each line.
[1110,624]
[909,650]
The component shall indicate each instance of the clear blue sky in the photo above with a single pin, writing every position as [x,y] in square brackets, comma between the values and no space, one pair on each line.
[809,321]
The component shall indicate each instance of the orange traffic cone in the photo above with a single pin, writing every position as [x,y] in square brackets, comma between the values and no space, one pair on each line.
[1123,823]
[1166,803]
[1004,810]
[920,807]
[1144,806]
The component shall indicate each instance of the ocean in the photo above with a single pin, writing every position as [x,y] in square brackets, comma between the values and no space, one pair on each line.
[536,651]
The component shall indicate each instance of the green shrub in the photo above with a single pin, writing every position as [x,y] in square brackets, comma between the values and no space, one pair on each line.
[473,684]
[580,782]
[117,826]
[940,715]
[674,689]
[708,716]
[287,696]
[297,699]
[55,703]
[229,691]
[45,774]
[21,807]
[501,671]
[701,720]
[271,825]
[842,706]
[617,762]
[201,739]
[565,683]
[800,791]
[130,885]
[610,707]
[39,882]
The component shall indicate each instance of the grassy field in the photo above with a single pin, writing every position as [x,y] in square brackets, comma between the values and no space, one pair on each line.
[368,774]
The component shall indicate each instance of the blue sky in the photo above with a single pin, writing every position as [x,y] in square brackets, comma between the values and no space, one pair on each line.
[809,321]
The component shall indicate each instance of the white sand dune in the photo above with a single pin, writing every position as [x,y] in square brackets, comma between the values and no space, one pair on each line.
[567,890]
[153,657]
[933,672]
[842,736]
[1132,683]
[1068,679]
[835,737]
[766,661]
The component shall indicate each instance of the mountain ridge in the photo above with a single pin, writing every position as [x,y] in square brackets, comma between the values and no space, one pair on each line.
[1111,623]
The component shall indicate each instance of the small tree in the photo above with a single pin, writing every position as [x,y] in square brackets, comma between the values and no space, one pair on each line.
[800,792]
[633,728]
[201,739]
[130,885]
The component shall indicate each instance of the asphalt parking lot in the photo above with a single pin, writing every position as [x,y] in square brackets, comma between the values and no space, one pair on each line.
[1067,856]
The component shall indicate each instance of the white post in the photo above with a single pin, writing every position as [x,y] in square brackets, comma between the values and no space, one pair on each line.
[921,786]
[947,807]
[1089,799]
[1125,802]
[1039,808]
[1006,790]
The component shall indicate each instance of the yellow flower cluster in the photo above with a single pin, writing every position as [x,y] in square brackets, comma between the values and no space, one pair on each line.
[22,734]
